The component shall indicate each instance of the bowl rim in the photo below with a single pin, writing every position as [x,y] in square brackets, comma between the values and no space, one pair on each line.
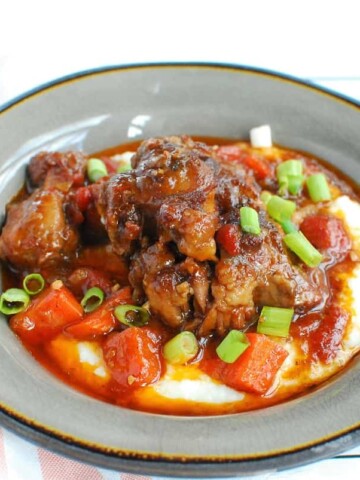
[162,464]
[210,65]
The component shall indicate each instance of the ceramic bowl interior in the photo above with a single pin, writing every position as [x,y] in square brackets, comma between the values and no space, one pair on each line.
[103,108]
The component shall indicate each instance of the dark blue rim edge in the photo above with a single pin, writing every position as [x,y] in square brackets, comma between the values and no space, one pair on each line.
[237,67]
[161,465]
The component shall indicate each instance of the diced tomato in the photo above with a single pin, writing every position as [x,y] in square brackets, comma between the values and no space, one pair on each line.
[83,197]
[254,371]
[228,238]
[47,314]
[324,331]
[233,153]
[133,357]
[102,320]
[326,232]
[84,278]
[260,168]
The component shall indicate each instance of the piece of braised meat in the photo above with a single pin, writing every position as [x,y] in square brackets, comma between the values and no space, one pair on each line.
[176,291]
[169,195]
[56,170]
[260,274]
[38,231]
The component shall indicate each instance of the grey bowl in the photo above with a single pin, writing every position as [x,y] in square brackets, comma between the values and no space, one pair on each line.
[101,108]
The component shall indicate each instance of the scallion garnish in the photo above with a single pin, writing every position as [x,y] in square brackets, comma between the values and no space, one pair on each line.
[275,321]
[234,344]
[295,184]
[132,315]
[280,209]
[289,168]
[265,197]
[93,298]
[181,348]
[301,246]
[290,176]
[96,169]
[249,220]
[33,283]
[318,188]
[14,300]
[288,226]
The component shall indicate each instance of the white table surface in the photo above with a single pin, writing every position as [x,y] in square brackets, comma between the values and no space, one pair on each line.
[41,41]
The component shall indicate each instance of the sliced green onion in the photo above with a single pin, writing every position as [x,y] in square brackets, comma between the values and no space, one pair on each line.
[291,184]
[265,197]
[180,349]
[275,321]
[234,344]
[14,300]
[33,283]
[318,188]
[289,168]
[123,167]
[290,177]
[249,220]
[300,245]
[280,209]
[96,169]
[131,315]
[283,187]
[93,298]
[288,226]
[295,184]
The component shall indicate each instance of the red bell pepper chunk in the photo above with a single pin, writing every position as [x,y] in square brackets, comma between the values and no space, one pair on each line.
[133,356]
[47,314]
[233,153]
[254,371]
[326,232]
[102,320]
[228,238]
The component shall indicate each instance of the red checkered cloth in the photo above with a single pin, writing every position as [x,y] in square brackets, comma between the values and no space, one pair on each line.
[21,460]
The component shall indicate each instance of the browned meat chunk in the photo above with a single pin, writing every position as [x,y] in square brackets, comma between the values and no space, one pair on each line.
[170,192]
[192,229]
[119,213]
[36,233]
[177,292]
[59,170]
[261,274]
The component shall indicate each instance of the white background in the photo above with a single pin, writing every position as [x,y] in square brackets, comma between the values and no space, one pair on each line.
[316,39]
[311,39]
